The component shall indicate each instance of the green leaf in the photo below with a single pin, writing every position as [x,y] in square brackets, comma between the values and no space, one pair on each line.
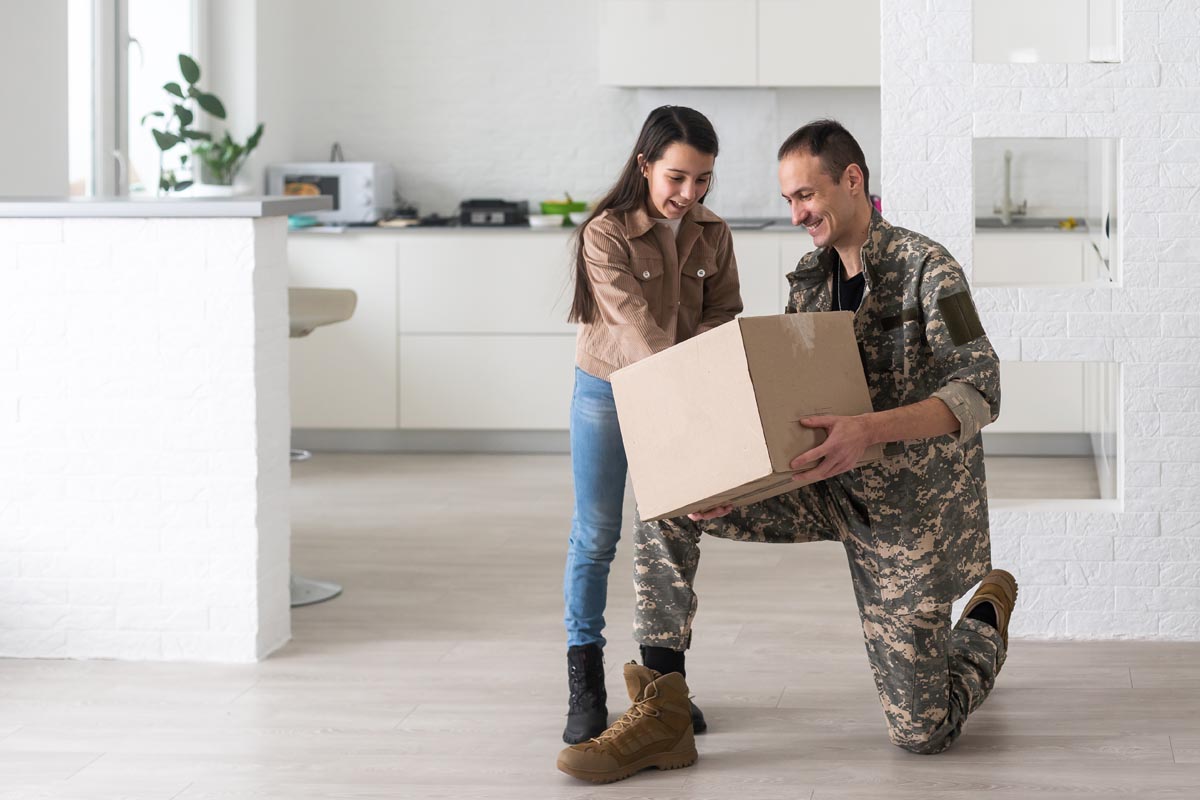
[196,135]
[211,104]
[183,160]
[189,68]
[151,114]
[185,115]
[179,187]
[165,140]
[164,184]
[252,142]
[174,89]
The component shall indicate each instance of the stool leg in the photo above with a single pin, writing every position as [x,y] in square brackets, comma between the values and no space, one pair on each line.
[306,591]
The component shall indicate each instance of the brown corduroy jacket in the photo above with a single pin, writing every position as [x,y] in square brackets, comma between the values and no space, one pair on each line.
[652,289]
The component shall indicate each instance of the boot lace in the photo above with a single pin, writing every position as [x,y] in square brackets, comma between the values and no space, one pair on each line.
[639,710]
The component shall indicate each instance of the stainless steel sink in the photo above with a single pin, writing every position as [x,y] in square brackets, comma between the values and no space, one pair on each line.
[1026,224]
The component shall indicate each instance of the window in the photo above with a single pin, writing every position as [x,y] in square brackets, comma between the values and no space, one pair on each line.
[1046,212]
[121,54]
[159,30]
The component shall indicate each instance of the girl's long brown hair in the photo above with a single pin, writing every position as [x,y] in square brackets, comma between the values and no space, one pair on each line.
[665,126]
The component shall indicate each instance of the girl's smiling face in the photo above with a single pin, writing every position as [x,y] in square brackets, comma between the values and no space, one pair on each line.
[678,180]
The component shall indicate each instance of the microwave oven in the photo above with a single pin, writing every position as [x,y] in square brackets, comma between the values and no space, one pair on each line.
[361,190]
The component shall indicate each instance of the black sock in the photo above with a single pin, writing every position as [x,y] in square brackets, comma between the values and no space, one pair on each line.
[984,612]
[663,660]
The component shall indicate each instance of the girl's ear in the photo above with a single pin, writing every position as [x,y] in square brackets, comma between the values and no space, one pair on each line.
[641,162]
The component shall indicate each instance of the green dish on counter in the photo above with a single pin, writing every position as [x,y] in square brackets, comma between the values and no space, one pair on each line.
[562,206]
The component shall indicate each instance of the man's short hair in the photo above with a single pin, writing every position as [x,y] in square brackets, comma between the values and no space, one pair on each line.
[829,141]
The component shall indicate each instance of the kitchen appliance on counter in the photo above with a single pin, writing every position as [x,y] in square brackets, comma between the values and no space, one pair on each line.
[493,212]
[361,190]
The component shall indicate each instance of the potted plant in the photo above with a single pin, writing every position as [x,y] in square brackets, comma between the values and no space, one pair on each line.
[221,158]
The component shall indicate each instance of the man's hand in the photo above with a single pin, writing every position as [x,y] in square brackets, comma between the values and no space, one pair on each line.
[847,438]
[712,513]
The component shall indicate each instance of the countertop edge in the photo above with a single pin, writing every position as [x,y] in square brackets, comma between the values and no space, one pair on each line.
[159,208]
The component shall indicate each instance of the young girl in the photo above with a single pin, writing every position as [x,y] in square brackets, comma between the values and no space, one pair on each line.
[652,267]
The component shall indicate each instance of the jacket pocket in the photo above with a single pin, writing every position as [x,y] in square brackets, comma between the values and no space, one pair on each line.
[691,283]
[649,274]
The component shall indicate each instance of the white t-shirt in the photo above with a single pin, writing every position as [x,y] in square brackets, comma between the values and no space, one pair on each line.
[673,224]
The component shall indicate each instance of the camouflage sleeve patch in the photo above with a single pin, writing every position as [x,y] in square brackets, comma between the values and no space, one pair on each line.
[962,321]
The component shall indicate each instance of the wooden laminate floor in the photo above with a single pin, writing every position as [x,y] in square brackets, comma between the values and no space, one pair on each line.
[440,674]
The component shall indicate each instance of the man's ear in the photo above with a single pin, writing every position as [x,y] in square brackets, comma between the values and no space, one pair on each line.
[853,177]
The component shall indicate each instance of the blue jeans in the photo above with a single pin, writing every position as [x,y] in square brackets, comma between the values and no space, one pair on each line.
[599,466]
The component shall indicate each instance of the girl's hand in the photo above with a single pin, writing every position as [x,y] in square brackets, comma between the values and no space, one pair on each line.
[712,513]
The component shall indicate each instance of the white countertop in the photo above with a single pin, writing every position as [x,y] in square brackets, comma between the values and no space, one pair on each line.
[326,230]
[148,207]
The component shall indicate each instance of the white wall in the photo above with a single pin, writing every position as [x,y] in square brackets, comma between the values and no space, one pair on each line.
[473,98]
[1103,569]
[33,95]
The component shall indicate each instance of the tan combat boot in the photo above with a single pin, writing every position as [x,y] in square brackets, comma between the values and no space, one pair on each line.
[656,731]
[999,588]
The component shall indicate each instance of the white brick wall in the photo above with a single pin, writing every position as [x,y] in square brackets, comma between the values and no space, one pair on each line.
[143,439]
[1130,568]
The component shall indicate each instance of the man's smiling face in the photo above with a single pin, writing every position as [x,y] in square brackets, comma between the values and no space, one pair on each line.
[824,207]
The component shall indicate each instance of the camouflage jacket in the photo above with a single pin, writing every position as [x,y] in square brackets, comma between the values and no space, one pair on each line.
[919,337]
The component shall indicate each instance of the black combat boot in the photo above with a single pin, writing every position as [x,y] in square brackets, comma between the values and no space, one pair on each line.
[587,714]
[665,661]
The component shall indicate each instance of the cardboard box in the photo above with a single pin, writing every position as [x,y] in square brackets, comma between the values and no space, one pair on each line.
[714,420]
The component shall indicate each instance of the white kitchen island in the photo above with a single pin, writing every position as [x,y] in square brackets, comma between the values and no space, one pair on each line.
[144,428]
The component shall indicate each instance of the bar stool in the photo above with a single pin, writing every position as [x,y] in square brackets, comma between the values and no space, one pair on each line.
[309,309]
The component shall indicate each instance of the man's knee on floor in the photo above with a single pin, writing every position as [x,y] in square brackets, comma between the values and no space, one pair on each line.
[925,743]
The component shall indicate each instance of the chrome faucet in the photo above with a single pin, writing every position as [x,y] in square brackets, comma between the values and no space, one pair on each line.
[1007,210]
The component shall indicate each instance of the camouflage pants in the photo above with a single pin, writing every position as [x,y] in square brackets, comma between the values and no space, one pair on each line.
[929,675]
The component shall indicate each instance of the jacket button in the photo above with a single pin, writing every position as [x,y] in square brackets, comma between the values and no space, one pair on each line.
[646,274]
[699,273]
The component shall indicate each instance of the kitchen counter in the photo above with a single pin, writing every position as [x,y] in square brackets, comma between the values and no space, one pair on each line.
[158,208]
[144,427]
[1029,225]
[777,226]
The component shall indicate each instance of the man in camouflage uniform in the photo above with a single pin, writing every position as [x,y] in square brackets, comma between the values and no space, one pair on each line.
[915,524]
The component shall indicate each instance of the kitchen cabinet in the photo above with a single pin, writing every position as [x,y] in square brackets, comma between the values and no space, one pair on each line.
[1007,258]
[739,42]
[492,382]
[818,44]
[677,43]
[464,330]
[1003,31]
[758,273]
[485,282]
[792,247]
[1040,397]
[344,375]
[764,260]
[484,338]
